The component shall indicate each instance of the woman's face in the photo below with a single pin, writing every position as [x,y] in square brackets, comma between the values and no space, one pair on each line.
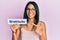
[31,12]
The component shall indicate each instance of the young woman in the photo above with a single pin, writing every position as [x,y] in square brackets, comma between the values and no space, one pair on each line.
[34,29]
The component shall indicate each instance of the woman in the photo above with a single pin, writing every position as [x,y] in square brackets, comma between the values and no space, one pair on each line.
[34,29]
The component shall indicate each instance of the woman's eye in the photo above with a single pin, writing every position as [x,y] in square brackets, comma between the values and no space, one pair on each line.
[33,9]
[30,9]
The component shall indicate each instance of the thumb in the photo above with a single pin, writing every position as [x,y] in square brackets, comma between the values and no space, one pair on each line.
[34,25]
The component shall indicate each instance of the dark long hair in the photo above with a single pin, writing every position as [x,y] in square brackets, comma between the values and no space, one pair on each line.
[37,11]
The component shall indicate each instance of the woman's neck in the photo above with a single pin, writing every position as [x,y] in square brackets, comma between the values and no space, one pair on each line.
[31,20]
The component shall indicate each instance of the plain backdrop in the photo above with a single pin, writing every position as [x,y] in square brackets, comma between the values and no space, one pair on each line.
[49,13]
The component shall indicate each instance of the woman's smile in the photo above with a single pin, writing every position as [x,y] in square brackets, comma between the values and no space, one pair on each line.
[30,14]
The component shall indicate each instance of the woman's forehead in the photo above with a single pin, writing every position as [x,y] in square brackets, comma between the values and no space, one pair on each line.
[31,6]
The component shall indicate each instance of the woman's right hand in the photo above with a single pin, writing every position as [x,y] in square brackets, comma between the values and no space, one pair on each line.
[15,27]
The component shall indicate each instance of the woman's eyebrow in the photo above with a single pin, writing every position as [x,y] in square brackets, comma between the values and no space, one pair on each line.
[30,8]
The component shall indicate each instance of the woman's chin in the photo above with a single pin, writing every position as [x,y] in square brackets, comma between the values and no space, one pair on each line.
[31,17]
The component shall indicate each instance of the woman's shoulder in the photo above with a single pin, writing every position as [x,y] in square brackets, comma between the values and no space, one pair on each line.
[41,23]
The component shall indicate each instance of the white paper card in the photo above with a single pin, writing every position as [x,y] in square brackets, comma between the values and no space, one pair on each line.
[17,21]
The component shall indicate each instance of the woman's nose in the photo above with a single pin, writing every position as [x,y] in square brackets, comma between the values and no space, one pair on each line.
[30,10]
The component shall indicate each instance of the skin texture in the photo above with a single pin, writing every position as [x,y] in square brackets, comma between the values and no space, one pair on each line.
[40,28]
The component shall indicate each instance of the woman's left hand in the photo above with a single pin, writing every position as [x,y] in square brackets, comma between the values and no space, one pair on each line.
[38,29]
[41,30]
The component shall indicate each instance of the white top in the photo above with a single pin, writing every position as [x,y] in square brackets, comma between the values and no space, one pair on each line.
[28,35]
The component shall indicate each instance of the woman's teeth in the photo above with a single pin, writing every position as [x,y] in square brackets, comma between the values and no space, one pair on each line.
[30,14]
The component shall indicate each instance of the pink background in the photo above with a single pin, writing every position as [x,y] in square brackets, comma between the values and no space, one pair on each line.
[49,13]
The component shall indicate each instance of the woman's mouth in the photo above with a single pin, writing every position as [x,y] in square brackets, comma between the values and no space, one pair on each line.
[31,14]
